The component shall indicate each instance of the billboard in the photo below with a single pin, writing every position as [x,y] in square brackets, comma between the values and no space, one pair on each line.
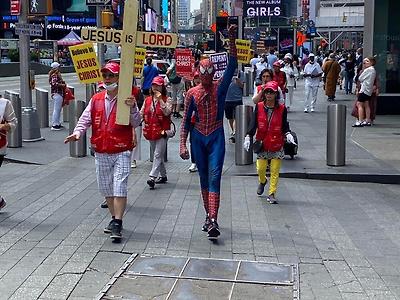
[262,8]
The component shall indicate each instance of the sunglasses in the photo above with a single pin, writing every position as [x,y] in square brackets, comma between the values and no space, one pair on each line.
[203,70]
[109,75]
[269,92]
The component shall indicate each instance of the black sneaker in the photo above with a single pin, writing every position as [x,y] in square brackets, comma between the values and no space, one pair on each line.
[2,203]
[57,127]
[109,227]
[260,189]
[116,235]
[232,138]
[104,204]
[206,224]
[213,230]
[162,179]
[178,115]
[151,183]
[271,199]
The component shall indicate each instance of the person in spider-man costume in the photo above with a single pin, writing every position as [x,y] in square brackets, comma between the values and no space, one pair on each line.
[207,102]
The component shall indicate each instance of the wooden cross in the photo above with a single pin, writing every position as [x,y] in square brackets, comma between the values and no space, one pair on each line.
[128,38]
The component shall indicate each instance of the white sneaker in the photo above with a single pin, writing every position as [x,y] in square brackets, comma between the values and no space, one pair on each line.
[312,110]
[133,164]
[193,168]
[306,110]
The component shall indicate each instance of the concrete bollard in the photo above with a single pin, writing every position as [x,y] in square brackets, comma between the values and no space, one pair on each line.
[243,115]
[42,107]
[15,137]
[78,148]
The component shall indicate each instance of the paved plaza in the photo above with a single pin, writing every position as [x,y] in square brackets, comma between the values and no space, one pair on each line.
[338,226]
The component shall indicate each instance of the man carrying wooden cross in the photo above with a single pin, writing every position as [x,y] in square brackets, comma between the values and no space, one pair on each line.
[112,144]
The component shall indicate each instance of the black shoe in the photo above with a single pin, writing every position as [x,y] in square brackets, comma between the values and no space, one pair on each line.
[232,139]
[213,230]
[2,203]
[161,180]
[206,224]
[109,227]
[116,235]
[104,205]
[178,116]
[57,127]
[151,183]
[260,189]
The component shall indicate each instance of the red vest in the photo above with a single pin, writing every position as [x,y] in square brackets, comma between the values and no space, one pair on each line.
[107,136]
[3,137]
[270,132]
[155,122]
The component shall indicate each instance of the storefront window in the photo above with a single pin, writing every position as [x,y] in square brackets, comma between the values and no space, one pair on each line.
[387,44]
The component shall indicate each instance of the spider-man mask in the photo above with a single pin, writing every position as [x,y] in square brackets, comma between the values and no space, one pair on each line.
[206,70]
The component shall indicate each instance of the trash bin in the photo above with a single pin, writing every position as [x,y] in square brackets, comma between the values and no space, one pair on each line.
[65,108]
[336,135]
[78,148]
[243,115]
[15,137]
[42,107]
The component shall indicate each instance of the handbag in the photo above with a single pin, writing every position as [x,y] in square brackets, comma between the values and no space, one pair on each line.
[68,96]
[257,147]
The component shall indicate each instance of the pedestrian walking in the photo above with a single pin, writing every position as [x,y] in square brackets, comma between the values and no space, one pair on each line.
[177,89]
[156,114]
[112,145]
[280,77]
[207,102]
[331,69]
[8,122]
[57,88]
[234,97]
[265,76]
[367,79]
[269,124]
[349,73]
[136,152]
[312,74]
[149,72]
[291,76]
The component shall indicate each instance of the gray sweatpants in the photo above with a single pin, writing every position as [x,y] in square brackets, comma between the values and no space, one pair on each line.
[159,147]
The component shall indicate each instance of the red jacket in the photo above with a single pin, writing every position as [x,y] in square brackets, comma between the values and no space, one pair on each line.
[155,122]
[107,136]
[270,131]
[280,78]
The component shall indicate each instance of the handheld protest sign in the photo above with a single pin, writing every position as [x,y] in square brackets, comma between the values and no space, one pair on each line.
[243,51]
[85,62]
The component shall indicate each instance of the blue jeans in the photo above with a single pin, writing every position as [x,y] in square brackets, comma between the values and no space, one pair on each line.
[348,84]
[57,106]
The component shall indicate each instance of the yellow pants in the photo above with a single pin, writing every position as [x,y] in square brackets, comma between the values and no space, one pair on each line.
[274,170]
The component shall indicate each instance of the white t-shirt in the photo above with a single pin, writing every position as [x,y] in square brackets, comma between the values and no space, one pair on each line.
[260,67]
[312,69]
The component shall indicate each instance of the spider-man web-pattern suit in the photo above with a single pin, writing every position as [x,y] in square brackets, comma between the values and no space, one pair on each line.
[207,102]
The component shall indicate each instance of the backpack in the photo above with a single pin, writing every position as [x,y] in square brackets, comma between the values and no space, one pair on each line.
[173,78]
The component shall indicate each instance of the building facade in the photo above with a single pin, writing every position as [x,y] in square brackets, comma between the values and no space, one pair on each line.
[183,13]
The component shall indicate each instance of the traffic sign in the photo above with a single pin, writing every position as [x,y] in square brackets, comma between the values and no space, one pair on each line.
[98,2]
[15,7]
[29,29]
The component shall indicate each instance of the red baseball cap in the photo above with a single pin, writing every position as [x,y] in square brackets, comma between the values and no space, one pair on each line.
[271,85]
[277,64]
[113,67]
[158,80]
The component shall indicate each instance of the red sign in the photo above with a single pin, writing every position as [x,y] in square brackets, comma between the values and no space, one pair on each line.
[15,7]
[184,63]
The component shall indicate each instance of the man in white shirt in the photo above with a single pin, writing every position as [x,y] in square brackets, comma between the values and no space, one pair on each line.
[259,67]
[312,74]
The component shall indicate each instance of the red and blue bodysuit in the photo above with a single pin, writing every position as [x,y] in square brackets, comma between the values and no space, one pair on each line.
[206,102]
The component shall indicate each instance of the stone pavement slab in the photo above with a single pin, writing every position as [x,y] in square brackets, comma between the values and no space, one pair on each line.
[344,236]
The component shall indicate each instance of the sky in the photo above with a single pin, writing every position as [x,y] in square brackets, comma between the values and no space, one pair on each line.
[194,4]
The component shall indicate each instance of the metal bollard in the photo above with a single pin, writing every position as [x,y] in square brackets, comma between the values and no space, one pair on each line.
[15,137]
[243,115]
[152,153]
[30,125]
[79,148]
[42,107]
[336,135]
[65,108]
